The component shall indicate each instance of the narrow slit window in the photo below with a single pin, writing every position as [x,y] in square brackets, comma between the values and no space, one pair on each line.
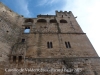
[62,16]
[67,44]
[20,58]
[49,45]
[14,58]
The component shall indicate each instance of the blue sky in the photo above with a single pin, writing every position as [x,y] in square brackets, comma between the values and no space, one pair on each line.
[87,12]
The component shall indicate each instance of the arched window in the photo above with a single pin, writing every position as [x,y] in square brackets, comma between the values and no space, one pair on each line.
[28,21]
[63,21]
[42,20]
[27,29]
[53,21]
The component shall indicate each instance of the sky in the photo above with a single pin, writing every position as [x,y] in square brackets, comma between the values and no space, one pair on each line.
[87,12]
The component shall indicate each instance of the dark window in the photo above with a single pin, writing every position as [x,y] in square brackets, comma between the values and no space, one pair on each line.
[27,27]
[23,40]
[20,58]
[41,20]
[27,30]
[53,21]
[14,58]
[95,73]
[63,21]
[67,44]
[62,16]
[49,45]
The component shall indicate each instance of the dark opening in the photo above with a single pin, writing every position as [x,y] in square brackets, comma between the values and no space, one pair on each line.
[62,16]
[20,58]
[67,44]
[63,21]
[20,73]
[48,45]
[27,27]
[23,40]
[95,73]
[51,45]
[14,58]
[53,21]
[41,20]
[64,61]
[7,31]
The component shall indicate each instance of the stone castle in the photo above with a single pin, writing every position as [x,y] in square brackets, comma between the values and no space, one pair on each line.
[48,45]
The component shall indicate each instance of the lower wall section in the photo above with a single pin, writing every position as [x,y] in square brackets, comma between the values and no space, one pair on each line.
[52,66]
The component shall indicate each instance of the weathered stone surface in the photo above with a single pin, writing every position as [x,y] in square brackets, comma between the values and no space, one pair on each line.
[70,48]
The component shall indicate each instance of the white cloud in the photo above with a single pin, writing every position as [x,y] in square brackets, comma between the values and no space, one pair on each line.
[23,7]
[88,13]
[47,2]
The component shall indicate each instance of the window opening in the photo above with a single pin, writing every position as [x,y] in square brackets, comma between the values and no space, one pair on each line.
[63,21]
[27,30]
[67,44]
[23,40]
[53,21]
[20,58]
[62,16]
[49,45]
[14,58]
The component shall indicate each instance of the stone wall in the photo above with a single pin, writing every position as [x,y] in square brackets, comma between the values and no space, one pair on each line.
[10,27]
[54,41]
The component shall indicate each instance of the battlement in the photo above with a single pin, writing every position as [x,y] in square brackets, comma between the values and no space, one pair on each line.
[64,12]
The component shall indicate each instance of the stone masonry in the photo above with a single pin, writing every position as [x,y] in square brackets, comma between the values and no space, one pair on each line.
[46,45]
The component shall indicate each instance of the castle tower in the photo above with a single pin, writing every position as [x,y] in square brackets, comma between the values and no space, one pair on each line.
[49,44]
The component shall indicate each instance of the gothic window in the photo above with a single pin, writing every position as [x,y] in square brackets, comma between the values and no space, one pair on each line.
[53,21]
[67,44]
[63,21]
[42,20]
[49,45]
[27,30]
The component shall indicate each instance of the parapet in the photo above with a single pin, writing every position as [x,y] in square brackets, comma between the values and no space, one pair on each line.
[44,16]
